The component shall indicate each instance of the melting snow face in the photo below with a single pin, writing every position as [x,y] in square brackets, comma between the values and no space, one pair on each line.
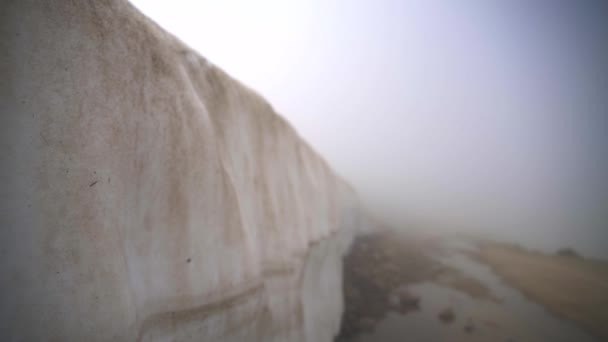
[150,196]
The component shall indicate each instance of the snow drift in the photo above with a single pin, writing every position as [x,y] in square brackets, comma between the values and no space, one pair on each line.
[146,195]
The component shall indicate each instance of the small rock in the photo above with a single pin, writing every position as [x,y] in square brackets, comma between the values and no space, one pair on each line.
[408,299]
[446,315]
[469,327]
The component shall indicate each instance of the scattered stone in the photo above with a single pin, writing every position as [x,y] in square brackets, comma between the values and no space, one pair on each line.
[409,300]
[469,328]
[403,301]
[378,269]
[446,315]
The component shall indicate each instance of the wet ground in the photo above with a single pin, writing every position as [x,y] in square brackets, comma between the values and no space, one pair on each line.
[415,288]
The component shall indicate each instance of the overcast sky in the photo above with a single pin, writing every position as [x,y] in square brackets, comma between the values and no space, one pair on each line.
[464,114]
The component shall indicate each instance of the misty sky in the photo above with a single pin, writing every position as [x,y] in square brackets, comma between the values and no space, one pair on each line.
[469,114]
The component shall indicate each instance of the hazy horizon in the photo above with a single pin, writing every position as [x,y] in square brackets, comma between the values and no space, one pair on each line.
[478,115]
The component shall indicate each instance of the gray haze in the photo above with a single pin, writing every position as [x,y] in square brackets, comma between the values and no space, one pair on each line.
[463,115]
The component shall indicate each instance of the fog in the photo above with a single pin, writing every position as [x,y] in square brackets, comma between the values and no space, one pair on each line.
[473,115]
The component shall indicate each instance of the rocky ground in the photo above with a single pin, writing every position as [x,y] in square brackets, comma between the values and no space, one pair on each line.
[377,271]
[450,288]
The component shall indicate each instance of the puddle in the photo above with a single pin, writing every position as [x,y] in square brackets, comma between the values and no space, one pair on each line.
[512,318]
